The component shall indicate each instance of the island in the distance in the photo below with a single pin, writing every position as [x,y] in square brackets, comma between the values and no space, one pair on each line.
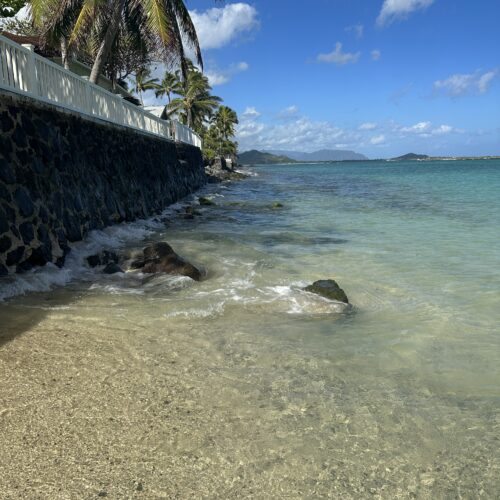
[420,157]
[255,157]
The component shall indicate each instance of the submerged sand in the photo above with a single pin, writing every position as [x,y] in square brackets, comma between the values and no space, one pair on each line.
[95,404]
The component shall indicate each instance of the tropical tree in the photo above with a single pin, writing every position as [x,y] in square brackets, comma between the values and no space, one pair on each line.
[165,24]
[143,82]
[9,8]
[217,139]
[225,120]
[171,84]
[195,104]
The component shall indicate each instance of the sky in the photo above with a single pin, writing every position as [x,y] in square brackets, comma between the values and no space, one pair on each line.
[380,77]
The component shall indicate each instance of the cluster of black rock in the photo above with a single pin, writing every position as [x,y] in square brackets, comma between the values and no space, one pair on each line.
[160,257]
[220,170]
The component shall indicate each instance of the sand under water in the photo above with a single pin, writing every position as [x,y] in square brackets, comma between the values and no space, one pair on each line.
[244,385]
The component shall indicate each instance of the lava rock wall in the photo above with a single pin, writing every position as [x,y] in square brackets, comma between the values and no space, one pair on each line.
[63,174]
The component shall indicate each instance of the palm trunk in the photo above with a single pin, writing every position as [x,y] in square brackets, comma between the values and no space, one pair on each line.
[189,117]
[107,43]
[64,52]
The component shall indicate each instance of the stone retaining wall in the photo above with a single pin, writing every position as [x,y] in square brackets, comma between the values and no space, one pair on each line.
[63,174]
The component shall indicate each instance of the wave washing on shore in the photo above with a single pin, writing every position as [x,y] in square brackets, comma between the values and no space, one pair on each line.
[245,386]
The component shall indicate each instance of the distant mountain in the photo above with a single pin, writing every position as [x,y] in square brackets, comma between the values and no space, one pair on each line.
[411,156]
[255,157]
[322,155]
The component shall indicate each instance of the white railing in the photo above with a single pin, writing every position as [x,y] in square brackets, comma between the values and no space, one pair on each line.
[23,71]
[185,134]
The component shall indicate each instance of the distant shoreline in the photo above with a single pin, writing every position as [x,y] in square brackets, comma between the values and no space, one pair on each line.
[389,160]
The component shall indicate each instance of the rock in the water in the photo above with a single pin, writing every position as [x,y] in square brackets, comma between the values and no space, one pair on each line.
[205,201]
[161,258]
[112,268]
[192,211]
[328,289]
[102,259]
[220,170]
[277,204]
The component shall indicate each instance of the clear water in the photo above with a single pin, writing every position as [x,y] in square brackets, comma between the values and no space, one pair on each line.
[290,395]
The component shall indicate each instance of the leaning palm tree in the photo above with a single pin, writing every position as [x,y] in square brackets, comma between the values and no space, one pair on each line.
[171,84]
[166,22]
[143,82]
[195,104]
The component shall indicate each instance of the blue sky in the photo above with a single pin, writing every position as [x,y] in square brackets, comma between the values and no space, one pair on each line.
[380,77]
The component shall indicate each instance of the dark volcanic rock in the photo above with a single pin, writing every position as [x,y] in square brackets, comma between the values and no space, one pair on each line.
[219,171]
[112,268]
[328,289]
[102,259]
[53,191]
[206,201]
[5,244]
[6,173]
[15,256]
[24,202]
[27,232]
[161,258]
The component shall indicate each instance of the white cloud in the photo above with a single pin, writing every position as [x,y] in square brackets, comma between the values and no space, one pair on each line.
[393,10]
[301,134]
[288,112]
[242,66]
[426,129]
[217,27]
[462,84]
[220,77]
[442,130]
[418,128]
[376,55]
[357,30]
[250,112]
[377,140]
[367,126]
[339,57]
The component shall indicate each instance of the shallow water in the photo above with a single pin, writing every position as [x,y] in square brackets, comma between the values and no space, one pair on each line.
[277,393]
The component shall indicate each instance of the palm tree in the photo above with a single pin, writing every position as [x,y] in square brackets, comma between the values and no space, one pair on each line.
[143,82]
[166,24]
[225,119]
[195,103]
[170,84]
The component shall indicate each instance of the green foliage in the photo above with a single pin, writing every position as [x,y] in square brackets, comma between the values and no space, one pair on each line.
[171,84]
[9,8]
[194,105]
[143,82]
[162,27]
[20,27]
[217,140]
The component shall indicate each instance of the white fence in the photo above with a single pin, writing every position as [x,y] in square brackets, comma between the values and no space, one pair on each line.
[23,71]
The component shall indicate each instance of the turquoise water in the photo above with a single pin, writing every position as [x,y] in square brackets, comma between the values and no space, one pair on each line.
[302,398]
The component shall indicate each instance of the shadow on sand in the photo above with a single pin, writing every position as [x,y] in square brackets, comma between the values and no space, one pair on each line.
[21,314]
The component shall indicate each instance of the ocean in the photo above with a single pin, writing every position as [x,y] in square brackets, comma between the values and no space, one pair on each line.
[246,386]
